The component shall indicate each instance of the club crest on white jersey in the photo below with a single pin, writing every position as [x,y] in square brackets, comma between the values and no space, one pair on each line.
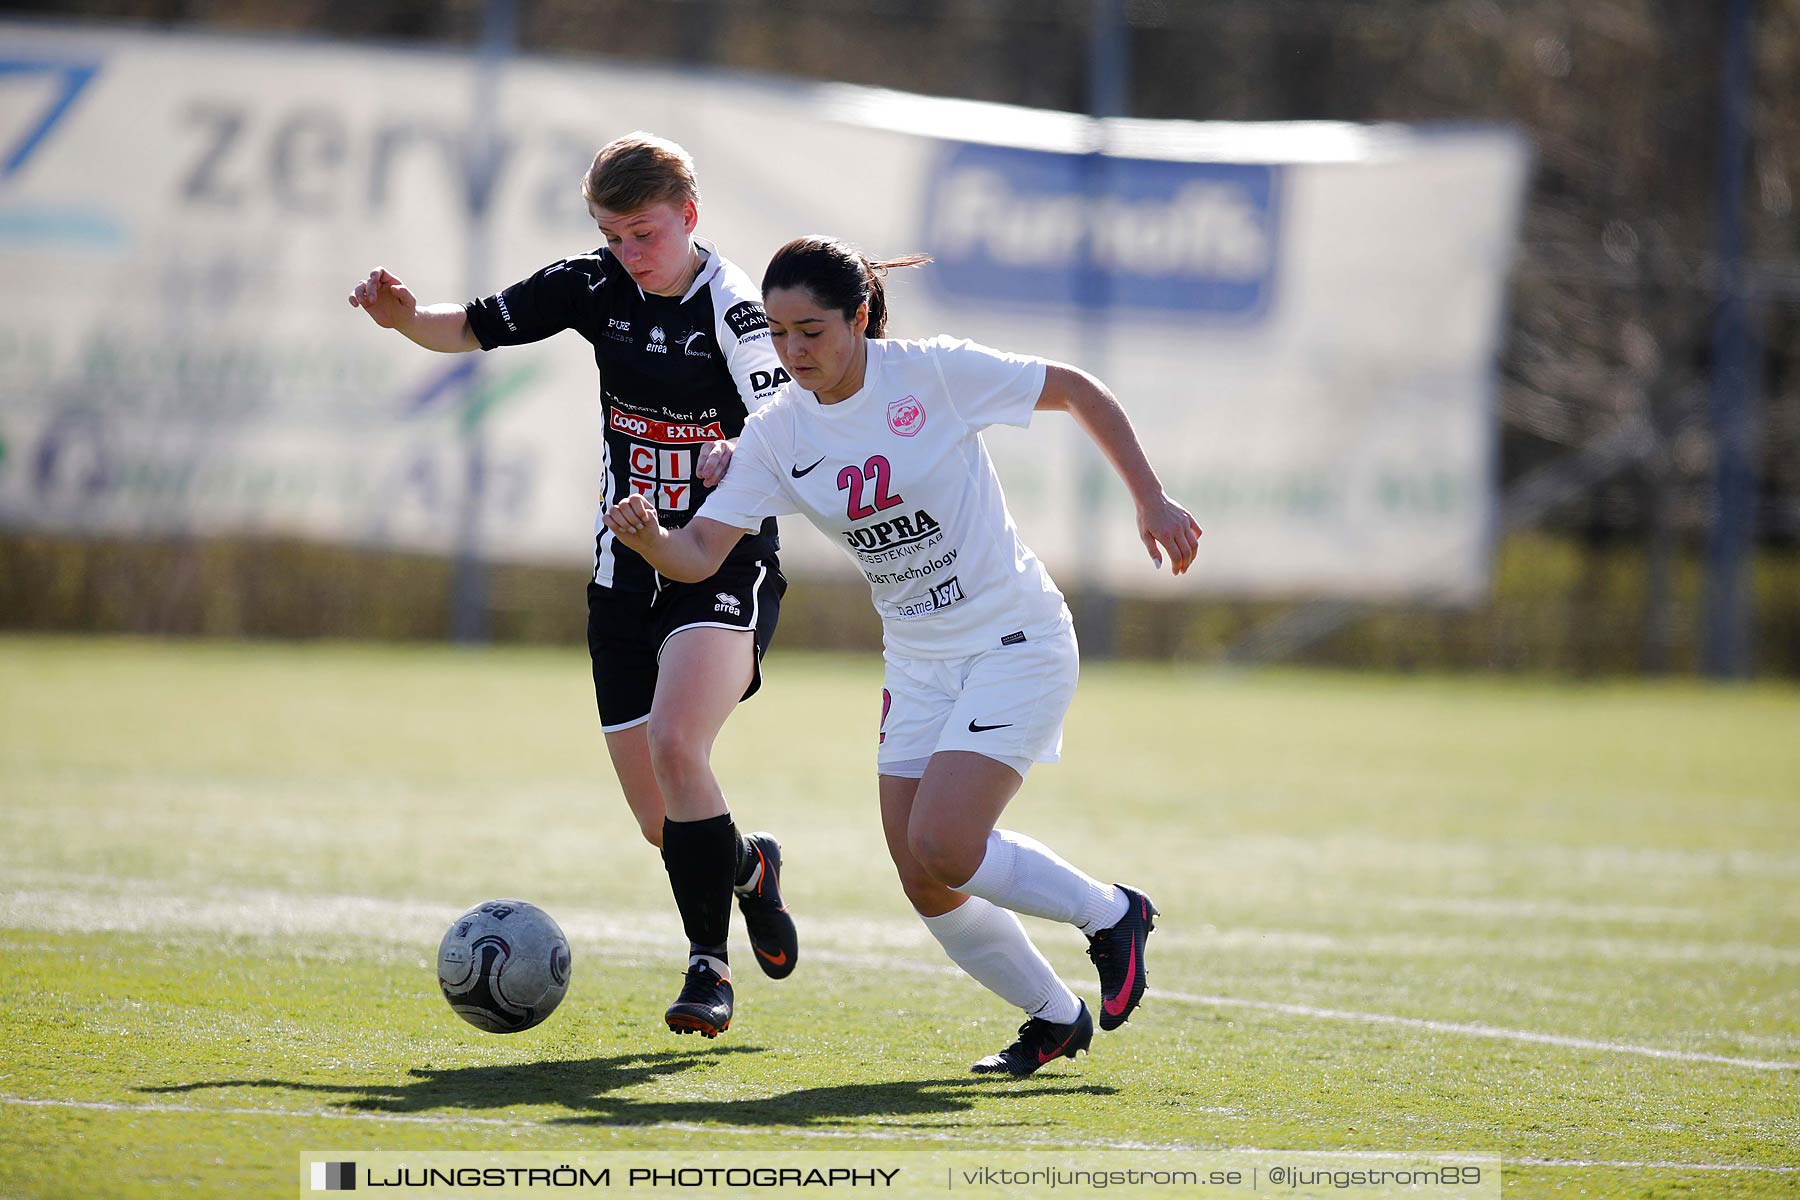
[906,416]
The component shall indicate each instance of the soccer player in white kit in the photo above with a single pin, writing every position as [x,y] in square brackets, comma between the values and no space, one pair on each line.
[877,442]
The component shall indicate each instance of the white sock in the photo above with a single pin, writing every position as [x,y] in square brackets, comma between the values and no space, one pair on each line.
[990,944]
[1027,876]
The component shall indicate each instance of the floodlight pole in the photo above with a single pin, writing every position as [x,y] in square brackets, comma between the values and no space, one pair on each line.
[1109,61]
[468,578]
[1726,648]
[1109,82]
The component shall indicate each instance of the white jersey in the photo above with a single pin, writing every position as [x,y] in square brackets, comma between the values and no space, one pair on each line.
[899,477]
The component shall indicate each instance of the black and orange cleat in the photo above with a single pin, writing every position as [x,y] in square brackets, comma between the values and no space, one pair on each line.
[766,917]
[1039,1042]
[704,1006]
[1118,954]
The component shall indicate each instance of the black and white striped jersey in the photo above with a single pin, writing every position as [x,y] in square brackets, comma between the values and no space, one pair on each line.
[675,373]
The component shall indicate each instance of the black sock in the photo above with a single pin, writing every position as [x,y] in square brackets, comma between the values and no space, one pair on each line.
[747,859]
[701,858]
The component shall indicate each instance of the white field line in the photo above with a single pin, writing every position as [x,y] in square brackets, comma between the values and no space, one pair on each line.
[885,1135]
[88,904]
[1474,1030]
[419,924]
[1653,1165]
[1467,1029]
[1551,910]
[1519,945]
[1579,862]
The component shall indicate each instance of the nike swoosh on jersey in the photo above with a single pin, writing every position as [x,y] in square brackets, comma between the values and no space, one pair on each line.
[797,471]
[974,728]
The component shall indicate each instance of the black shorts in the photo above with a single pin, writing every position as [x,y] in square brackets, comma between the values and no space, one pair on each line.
[627,631]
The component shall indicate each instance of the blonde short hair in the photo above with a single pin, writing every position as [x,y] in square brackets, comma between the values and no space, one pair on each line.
[638,170]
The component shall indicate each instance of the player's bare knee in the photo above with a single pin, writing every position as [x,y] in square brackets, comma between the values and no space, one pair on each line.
[916,883]
[676,756]
[926,894]
[945,859]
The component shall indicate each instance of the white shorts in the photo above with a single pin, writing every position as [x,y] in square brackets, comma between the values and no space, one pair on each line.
[1007,703]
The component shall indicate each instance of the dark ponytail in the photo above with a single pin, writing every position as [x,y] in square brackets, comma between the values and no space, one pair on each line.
[838,276]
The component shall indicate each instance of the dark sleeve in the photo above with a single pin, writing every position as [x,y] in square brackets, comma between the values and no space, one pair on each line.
[556,298]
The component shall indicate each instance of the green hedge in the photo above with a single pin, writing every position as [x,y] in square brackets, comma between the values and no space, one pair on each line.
[1557,606]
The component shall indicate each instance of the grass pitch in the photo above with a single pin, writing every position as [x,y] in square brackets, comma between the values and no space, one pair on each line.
[1556,924]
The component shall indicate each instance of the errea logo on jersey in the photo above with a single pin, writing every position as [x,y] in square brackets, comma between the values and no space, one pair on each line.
[658,343]
[1037,228]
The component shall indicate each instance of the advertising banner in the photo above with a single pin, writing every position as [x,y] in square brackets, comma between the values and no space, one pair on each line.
[1301,319]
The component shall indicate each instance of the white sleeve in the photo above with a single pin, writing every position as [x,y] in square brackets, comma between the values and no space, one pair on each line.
[988,387]
[752,488]
[742,332]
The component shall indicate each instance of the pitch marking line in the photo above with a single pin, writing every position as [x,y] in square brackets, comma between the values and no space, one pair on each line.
[1472,1030]
[1467,1029]
[879,1135]
[275,914]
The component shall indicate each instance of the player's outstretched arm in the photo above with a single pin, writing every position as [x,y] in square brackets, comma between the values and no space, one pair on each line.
[391,305]
[688,554]
[1160,520]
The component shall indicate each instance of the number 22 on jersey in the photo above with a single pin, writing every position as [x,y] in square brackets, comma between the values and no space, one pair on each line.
[852,479]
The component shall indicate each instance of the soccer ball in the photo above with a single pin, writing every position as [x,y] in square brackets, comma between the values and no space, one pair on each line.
[504,966]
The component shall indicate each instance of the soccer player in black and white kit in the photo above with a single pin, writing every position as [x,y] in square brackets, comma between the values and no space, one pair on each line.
[878,443]
[684,354]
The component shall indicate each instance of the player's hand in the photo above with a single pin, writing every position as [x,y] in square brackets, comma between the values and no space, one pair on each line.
[633,521]
[388,302]
[715,457]
[1164,524]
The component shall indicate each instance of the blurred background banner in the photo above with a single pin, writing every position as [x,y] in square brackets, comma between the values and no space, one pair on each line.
[1302,318]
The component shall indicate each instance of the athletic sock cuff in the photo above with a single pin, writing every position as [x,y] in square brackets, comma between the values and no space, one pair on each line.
[703,825]
[1106,904]
[1060,1007]
[994,877]
[959,920]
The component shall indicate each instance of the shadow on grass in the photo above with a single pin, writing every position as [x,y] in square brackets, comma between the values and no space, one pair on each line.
[849,1104]
[589,1089]
[580,1084]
